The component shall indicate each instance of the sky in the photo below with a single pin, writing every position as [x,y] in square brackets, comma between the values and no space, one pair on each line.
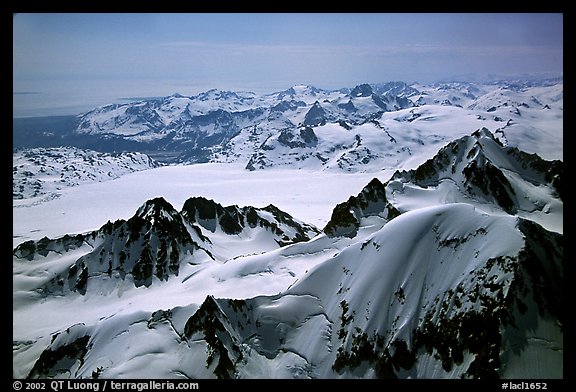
[65,63]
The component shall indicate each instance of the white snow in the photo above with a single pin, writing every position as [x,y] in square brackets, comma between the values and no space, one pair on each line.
[41,172]
[529,118]
[306,195]
[389,274]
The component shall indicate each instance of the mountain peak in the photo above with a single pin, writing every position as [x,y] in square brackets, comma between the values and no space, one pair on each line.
[483,133]
[482,168]
[371,201]
[299,88]
[362,90]
[234,220]
[157,202]
[462,283]
[155,209]
[315,116]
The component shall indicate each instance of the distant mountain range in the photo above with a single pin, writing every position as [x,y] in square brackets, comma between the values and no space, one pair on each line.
[44,171]
[365,128]
[451,268]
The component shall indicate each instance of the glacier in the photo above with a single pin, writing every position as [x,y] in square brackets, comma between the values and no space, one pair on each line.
[443,260]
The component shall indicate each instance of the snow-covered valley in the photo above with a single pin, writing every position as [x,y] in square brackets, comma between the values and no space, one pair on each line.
[424,243]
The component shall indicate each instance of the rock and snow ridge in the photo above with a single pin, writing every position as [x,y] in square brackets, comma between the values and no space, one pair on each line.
[368,127]
[365,129]
[158,239]
[45,171]
[451,270]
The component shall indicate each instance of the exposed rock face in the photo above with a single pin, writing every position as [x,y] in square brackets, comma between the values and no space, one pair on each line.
[345,219]
[444,271]
[156,240]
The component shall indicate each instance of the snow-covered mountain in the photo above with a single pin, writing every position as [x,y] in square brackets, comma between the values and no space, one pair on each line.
[365,128]
[479,170]
[453,269]
[44,171]
[157,239]
[192,125]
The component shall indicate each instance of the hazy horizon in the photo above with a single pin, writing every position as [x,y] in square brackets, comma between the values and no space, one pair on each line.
[70,63]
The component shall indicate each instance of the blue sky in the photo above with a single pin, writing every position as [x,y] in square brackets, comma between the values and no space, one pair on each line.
[268,52]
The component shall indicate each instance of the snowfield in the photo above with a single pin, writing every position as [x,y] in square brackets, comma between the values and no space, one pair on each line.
[42,172]
[305,194]
[426,243]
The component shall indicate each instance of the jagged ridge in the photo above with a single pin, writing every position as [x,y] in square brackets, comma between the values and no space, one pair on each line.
[40,171]
[463,287]
[157,239]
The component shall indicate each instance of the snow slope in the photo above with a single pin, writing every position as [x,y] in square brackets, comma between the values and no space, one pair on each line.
[431,274]
[305,194]
[344,126]
[529,118]
[479,170]
[45,171]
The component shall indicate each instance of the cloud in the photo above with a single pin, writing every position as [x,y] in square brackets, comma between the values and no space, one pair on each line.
[359,50]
